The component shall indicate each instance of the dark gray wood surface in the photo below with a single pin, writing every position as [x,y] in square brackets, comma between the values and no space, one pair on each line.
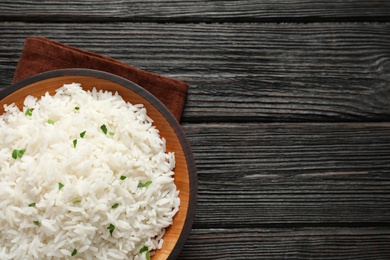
[195,10]
[288,112]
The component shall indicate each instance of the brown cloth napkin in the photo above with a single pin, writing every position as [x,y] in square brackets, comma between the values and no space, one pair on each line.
[41,54]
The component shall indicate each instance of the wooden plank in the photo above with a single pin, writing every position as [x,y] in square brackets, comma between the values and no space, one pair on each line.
[283,174]
[293,243]
[194,10]
[243,72]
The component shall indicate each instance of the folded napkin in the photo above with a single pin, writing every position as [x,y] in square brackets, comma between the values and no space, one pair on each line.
[41,54]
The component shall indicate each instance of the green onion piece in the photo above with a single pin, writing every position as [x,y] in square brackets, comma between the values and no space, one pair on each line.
[104,129]
[18,153]
[141,185]
[60,185]
[77,108]
[82,134]
[74,252]
[123,177]
[32,204]
[111,227]
[74,143]
[36,222]
[50,122]
[115,206]
[76,201]
[146,250]
[28,112]
[111,133]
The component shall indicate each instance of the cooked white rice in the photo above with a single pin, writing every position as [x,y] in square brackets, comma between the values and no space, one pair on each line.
[41,219]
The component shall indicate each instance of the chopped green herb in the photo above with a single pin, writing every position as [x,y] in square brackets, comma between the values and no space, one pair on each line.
[76,201]
[111,227]
[146,250]
[28,112]
[104,129]
[141,185]
[115,206]
[82,134]
[32,204]
[15,154]
[74,143]
[18,153]
[60,185]
[111,133]
[74,252]
[123,177]
[37,223]
[21,152]
[77,108]
[50,122]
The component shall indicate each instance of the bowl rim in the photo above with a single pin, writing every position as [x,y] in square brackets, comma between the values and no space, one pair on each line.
[191,166]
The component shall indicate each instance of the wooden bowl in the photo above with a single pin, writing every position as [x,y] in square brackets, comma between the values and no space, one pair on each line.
[176,141]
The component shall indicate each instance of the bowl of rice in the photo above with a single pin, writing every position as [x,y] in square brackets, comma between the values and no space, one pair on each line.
[92,166]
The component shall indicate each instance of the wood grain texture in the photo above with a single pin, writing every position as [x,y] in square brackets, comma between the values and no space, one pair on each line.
[243,72]
[282,243]
[194,10]
[255,175]
[273,184]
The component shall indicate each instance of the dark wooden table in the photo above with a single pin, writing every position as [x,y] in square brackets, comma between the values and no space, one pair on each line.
[288,111]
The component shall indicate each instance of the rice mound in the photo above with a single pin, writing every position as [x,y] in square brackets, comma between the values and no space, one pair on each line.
[83,175]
